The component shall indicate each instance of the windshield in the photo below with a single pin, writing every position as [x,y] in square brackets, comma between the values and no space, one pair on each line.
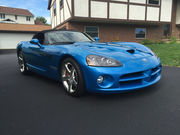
[62,37]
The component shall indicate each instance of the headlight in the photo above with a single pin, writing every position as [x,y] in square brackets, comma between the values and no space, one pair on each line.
[100,61]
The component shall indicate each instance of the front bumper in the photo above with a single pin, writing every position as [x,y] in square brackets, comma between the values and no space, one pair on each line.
[133,75]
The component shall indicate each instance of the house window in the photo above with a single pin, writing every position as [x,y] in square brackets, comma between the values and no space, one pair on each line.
[54,8]
[154,2]
[15,17]
[93,31]
[166,30]
[140,33]
[28,18]
[2,16]
[61,3]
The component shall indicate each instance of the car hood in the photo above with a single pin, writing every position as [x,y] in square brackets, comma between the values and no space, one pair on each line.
[117,50]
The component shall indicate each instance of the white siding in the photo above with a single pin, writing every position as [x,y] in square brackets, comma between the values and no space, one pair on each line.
[52,18]
[152,14]
[98,9]
[114,7]
[70,4]
[67,14]
[178,13]
[136,12]
[55,20]
[20,19]
[121,0]
[81,8]
[62,15]
[58,12]
[166,10]
[138,1]
[5,43]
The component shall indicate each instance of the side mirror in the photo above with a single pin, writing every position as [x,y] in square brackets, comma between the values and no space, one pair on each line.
[96,39]
[35,41]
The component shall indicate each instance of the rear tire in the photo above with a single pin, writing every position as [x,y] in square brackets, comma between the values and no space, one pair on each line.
[72,77]
[22,64]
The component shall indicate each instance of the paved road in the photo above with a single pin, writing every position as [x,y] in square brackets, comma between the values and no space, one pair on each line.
[34,105]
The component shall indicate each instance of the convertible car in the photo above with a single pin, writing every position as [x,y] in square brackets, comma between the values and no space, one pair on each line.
[84,64]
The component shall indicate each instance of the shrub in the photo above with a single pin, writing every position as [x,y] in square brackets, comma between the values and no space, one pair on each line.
[172,40]
[162,42]
[146,42]
[159,42]
[116,39]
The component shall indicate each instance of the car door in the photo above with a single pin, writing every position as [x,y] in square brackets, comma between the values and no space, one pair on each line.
[47,57]
[43,55]
[35,50]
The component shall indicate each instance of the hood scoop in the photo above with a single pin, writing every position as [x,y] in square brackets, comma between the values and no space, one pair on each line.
[131,51]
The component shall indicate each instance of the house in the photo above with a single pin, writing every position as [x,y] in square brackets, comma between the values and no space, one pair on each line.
[15,15]
[12,34]
[122,20]
[17,25]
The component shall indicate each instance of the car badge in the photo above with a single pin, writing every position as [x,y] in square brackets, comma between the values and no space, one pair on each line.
[144,60]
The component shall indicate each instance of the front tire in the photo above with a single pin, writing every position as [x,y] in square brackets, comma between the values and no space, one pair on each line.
[72,77]
[22,64]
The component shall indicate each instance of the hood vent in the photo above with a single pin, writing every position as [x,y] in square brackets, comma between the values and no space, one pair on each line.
[131,51]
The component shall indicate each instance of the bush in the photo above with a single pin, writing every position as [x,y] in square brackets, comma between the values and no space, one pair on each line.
[146,42]
[162,42]
[116,39]
[159,42]
[173,40]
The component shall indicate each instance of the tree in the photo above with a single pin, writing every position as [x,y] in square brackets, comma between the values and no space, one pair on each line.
[42,19]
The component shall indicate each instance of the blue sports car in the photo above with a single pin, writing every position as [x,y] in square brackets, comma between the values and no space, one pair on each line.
[83,64]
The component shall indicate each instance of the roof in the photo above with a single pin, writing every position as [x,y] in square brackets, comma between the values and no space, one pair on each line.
[15,11]
[23,27]
[49,4]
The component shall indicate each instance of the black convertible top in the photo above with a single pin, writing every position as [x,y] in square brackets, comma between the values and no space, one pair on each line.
[41,35]
[45,31]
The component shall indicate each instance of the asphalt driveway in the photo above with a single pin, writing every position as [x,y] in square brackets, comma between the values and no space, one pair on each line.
[34,105]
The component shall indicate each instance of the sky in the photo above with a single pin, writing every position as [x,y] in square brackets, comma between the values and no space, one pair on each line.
[37,7]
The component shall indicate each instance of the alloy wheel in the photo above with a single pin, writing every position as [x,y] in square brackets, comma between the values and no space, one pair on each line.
[21,62]
[69,77]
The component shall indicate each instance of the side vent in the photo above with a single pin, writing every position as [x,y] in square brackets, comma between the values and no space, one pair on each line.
[131,51]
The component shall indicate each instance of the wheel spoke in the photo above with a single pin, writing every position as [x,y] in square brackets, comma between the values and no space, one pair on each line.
[67,68]
[70,88]
[65,78]
[73,77]
[66,85]
[20,58]
[75,82]
[72,71]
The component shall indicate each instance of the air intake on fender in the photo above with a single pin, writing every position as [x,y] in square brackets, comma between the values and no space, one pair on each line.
[131,51]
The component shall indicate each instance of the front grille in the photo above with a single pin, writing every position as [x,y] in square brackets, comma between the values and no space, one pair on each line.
[131,75]
[138,78]
[155,69]
[130,83]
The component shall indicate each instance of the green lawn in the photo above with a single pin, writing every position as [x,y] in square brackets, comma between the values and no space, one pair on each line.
[168,53]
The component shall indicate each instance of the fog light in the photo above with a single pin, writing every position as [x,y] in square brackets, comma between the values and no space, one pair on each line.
[100,79]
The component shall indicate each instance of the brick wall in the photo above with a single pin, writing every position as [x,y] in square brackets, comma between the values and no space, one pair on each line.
[175,31]
[121,32]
